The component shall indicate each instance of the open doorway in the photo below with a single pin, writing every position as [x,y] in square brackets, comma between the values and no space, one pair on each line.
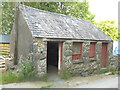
[52,57]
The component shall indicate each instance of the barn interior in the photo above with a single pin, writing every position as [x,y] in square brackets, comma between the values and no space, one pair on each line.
[52,57]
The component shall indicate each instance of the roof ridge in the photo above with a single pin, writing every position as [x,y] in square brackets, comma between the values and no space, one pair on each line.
[52,13]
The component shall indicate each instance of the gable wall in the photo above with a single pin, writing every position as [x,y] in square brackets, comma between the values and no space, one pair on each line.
[25,38]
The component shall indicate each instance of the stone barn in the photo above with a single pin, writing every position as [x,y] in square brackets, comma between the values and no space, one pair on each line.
[65,42]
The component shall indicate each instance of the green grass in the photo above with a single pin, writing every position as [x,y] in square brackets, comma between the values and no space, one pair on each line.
[102,71]
[114,72]
[48,86]
[66,75]
[27,74]
[9,77]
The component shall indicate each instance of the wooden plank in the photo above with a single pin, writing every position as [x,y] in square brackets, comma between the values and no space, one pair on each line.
[4,44]
[4,48]
[4,53]
[104,54]
[61,55]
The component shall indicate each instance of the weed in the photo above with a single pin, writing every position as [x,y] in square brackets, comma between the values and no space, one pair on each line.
[9,77]
[27,73]
[103,71]
[48,86]
[66,75]
[27,70]
[45,77]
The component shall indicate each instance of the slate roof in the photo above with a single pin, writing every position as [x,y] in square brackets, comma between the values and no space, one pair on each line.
[4,38]
[52,25]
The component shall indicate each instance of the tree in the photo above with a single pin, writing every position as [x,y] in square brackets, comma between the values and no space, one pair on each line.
[7,17]
[76,9]
[110,28]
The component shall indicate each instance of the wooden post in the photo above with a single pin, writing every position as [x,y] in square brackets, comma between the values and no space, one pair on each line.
[16,34]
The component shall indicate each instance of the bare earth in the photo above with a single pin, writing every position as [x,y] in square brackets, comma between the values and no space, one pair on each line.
[97,81]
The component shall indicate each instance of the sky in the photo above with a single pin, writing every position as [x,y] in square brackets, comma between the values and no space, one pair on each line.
[104,9]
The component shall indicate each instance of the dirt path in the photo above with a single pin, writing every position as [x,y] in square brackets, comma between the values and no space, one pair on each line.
[72,82]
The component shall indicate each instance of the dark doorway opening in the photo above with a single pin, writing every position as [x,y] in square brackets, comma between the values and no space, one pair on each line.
[52,57]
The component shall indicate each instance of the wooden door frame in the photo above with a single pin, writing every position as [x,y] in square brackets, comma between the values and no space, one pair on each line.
[60,52]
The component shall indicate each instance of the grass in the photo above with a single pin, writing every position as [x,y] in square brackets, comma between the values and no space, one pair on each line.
[27,73]
[9,77]
[66,75]
[48,86]
[113,72]
[102,71]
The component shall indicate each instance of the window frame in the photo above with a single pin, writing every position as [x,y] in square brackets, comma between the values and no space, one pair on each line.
[92,52]
[77,56]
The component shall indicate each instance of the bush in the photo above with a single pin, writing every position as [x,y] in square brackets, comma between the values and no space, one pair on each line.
[27,70]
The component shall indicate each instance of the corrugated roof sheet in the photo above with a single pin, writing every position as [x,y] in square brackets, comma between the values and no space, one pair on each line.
[53,25]
[4,38]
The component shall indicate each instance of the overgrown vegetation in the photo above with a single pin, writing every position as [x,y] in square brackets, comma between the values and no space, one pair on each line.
[75,9]
[45,77]
[110,28]
[48,86]
[113,72]
[26,73]
[66,74]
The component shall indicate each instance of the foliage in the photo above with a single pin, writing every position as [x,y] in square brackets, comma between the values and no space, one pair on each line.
[9,77]
[27,73]
[110,28]
[45,77]
[104,71]
[48,86]
[113,72]
[75,9]
[65,74]
[8,9]
[27,69]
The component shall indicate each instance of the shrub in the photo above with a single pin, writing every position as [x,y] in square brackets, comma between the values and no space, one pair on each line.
[27,70]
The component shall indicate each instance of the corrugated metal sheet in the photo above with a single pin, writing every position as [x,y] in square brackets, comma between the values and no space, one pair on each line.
[52,25]
[4,38]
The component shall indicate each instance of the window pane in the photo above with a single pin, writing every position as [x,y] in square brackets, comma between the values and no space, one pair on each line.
[76,48]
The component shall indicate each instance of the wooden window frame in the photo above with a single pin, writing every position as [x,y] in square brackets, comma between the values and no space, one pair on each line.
[92,53]
[77,56]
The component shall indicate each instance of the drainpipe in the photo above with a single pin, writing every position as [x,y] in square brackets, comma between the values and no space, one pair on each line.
[16,34]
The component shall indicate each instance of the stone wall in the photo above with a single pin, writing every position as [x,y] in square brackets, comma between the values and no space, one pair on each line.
[86,64]
[40,52]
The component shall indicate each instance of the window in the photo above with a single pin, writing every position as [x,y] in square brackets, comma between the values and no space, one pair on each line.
[92,50]
[77,51]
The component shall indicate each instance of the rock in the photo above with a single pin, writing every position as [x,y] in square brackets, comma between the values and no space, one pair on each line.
[109,73]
